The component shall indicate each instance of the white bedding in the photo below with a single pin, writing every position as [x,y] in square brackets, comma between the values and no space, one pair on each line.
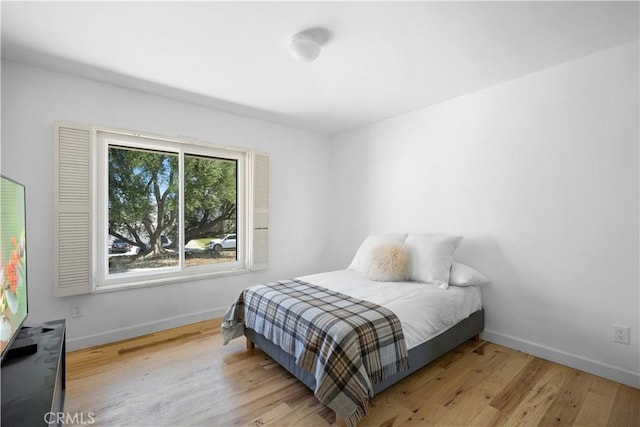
[425,311]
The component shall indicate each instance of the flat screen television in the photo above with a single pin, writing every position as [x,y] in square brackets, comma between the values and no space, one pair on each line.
[13,261]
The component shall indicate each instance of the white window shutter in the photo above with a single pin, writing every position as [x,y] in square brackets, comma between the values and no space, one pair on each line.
[260,212]
[73,259]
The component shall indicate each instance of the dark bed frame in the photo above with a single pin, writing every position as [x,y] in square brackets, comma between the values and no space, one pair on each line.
[419,356]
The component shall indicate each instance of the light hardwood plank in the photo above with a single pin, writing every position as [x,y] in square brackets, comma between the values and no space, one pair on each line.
[535,405]
[511,396]
[567,404]
[186,377]
[595,410]
[626,407]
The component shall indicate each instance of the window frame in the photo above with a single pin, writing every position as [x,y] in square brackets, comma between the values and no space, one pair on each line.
[103,280]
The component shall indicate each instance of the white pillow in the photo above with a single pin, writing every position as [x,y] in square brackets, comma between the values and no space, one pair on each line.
[463,275]
[389,263]
[362,259]
[431,257]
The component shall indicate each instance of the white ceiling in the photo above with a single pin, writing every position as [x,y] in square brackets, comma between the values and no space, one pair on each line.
[382,58]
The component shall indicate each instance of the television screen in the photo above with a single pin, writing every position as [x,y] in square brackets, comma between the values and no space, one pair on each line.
[13,261]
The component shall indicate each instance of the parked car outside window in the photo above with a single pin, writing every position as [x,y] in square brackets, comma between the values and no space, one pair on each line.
[119,247]
[227,242]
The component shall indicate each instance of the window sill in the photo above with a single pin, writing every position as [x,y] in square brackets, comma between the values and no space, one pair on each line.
[167,280]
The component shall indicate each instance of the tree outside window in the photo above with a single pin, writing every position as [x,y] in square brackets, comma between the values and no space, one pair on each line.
[144,208]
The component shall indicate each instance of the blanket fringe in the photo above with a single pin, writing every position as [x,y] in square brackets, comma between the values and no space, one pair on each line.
[353,419]
[388,370]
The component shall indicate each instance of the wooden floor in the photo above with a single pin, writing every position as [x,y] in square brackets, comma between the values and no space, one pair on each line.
[185,376]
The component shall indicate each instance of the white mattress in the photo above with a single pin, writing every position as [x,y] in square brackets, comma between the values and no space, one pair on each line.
[424,311]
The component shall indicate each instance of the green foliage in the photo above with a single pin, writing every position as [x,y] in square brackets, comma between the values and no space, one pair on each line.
[143,196]
[210,197]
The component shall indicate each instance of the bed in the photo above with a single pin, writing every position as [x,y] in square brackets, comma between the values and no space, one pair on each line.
[415,323]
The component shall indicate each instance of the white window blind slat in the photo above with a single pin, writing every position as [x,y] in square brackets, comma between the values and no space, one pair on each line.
[72,209]
[260,220]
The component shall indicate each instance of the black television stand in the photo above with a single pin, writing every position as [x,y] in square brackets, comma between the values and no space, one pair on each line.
[33,382]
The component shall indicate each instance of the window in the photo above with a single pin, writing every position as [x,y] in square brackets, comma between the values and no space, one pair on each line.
[173,204]
[159,210]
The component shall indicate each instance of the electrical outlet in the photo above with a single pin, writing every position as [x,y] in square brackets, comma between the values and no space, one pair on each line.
[76,311]
[621,334]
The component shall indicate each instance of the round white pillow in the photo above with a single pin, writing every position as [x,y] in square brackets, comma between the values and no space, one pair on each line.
[389,263]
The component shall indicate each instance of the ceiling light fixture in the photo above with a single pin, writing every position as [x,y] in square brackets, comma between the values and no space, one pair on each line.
[305,46]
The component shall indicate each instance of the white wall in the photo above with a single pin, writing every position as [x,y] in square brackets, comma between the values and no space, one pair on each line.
[540,174]
[32,98]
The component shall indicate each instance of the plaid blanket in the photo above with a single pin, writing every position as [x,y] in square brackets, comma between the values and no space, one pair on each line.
[346,343]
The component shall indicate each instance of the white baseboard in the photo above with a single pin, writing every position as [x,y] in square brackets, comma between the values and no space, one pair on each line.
[600,369]
[142,329]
